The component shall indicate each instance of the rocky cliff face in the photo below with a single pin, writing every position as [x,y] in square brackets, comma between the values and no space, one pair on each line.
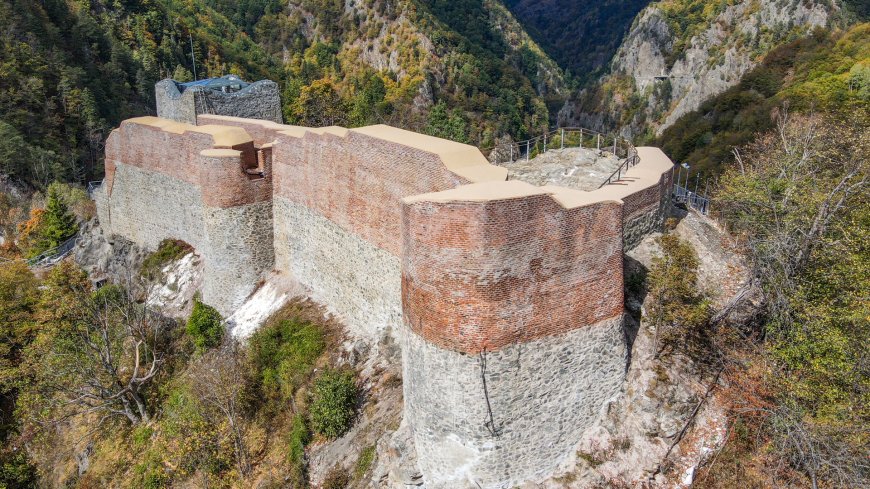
[676,56]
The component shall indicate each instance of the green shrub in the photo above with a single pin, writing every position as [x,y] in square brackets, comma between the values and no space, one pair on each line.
[299,437]
[142,436]
[16,471]
[205,326]
[150,474]
[168,251]
[677,309]
[332,408]
[283,355]
[364,462]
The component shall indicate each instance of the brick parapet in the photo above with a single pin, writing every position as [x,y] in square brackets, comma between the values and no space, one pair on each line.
[481,275]
[212,158]
[357,181]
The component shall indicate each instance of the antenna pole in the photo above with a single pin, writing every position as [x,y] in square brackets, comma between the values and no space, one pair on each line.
[192,56]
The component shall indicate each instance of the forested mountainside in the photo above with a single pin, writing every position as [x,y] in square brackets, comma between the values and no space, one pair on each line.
[381,61]
[72,70]
[828,71]
[679,53]
[581,36]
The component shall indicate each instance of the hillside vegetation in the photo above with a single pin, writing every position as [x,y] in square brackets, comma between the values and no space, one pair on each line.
[72,70]
[824,72]
[581,36]
[680,53]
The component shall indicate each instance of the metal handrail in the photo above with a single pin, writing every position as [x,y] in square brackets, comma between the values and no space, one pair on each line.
[58,251]
[515,150]
[629,162]
[683,195]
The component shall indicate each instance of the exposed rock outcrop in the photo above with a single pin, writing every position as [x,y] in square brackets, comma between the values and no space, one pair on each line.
[666,67]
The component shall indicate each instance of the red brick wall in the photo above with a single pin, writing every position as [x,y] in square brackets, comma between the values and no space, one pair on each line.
[647,200]
[483,275]
[358,181]
[223,180]
[262,132]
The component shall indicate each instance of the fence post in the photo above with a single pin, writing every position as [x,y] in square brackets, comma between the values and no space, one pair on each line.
[614,146]
[562,138]
[581,138]
[512,152]
[545,142]
[528,149]
[599,141]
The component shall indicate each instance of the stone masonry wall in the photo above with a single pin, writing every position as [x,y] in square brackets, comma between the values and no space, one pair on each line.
[357,181]
[355,279]
[174,182]
[543,394]
[140,202]
[260,100]
[644,211]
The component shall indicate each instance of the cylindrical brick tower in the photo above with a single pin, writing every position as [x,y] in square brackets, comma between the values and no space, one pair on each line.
[513,337]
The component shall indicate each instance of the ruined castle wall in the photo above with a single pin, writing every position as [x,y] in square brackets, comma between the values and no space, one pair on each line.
[338,219]
[239,251]
[357,181]
[260,100]
[506,286]
[261,131]
[173,104]
[542,395]
[508,297]
[147,207]
[646,207]
[488,274]
[173,182]
[352,277]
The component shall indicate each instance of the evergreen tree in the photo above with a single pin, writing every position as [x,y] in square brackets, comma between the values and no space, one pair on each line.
[182,74]
[59,224]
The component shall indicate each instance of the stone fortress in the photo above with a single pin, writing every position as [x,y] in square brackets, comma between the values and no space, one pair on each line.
[507,298]
[227,95]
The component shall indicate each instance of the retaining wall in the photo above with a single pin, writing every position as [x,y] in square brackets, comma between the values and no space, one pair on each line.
[540,396]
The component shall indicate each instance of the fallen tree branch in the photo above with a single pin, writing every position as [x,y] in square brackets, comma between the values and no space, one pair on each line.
[689,422]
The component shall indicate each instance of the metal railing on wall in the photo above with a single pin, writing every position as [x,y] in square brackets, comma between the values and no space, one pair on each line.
[559,138]
[52,256]
[684,195]
[48,257]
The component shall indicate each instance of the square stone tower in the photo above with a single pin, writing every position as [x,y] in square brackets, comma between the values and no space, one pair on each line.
[228,95]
